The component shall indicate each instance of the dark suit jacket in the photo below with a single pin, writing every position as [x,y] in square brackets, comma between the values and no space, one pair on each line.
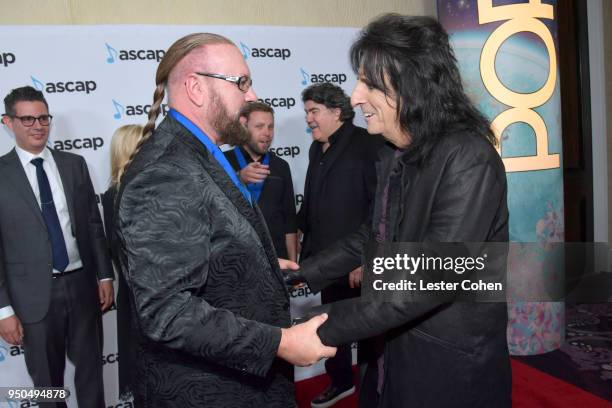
[122,302]
[348,183]
[436,354]
[25,249]
[207,293]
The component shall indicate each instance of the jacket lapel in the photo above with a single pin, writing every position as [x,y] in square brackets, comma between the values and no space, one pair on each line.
[67,177]
[343,140]
[13,171]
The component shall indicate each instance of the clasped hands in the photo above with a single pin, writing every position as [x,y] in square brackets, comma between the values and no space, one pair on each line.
[300,345]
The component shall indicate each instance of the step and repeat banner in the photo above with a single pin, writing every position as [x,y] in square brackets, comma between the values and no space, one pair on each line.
[97,78]
[507,53]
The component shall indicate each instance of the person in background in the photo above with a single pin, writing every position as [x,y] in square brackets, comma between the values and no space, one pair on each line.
[338,195]
[123,144]
[267,176]
[55,271]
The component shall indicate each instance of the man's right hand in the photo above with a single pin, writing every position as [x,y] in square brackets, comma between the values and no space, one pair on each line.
[300,345]
[254,172]
[11,330]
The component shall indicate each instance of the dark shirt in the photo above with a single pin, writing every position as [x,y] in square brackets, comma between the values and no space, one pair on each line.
[277,201]
[320,165]
[339,188]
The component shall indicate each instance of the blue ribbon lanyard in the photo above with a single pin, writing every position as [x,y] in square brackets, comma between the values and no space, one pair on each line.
[254,188]
[214,150]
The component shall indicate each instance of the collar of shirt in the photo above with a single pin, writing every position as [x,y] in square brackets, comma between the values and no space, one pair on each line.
[214,150]
[248,157]
[335,137]
[338,133]
[26,157]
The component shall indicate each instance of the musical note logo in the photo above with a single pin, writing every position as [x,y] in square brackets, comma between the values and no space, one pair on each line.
[3,353]
[305,76]
[37,84]
[246,50]
[112,53]
[119,109]
[12,404]
[308,130]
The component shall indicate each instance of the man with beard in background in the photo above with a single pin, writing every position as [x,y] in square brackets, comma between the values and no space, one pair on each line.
[209,303]
[267,176]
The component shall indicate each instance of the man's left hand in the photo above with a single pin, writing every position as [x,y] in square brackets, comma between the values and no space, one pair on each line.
[105,292]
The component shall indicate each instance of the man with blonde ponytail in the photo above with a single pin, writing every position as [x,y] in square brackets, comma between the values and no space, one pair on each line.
[208,297]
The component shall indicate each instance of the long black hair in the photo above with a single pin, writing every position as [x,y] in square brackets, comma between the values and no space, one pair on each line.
[410,57]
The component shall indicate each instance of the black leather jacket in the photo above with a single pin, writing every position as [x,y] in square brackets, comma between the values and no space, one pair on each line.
[436,354]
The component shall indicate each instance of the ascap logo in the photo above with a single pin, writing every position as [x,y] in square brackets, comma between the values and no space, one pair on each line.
[110,358]
[20,404]
[279,102]
[307,78]
[23,404]
[12,404]
[67,86]
[286,151]
[7,58]
[132,55]
[264,52]
[78,144]
[16,351]
[300,292]
[135,110]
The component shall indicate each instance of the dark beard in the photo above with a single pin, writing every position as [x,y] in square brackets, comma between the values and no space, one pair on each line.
[255,148]
[230,130]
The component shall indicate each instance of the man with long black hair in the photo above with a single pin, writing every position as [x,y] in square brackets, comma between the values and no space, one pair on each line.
[440,180]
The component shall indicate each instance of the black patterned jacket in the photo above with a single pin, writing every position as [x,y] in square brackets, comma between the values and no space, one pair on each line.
[208,297]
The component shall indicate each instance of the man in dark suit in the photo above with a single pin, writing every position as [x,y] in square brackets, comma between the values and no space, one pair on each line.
[267,176]
[338,193]
[55,272]
[209,301]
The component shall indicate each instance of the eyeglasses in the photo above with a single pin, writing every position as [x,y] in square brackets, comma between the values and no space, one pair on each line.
[242,82]
[28,121]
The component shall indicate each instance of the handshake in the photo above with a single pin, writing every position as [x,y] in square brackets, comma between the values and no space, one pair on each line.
[300,345]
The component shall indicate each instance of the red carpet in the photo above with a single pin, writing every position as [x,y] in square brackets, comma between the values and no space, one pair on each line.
[306,390]
[531,388]
[534,388]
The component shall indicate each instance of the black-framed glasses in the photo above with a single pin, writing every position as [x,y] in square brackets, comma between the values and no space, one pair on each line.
[28,121]
[242,82]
